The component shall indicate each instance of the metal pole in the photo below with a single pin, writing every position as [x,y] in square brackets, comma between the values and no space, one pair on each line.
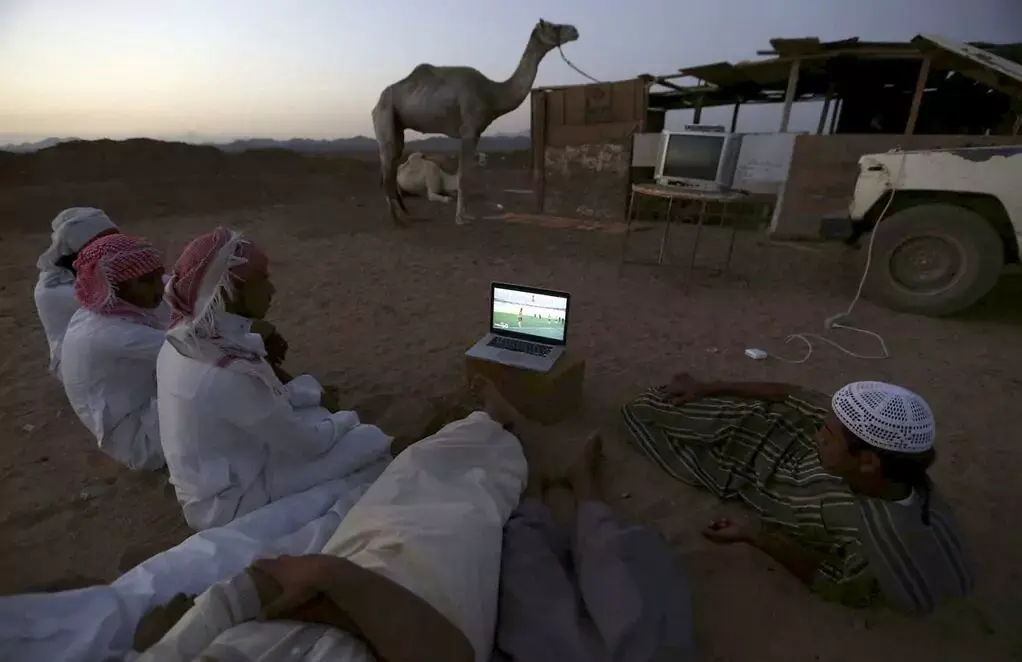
[917,97]
[734,115]
[823,113]
[789,95]
[836,111]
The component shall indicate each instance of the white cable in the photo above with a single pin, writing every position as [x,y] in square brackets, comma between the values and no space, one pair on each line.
[835,321]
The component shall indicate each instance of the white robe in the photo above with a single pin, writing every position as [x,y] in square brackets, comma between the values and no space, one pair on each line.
[432,523]
[108,367]
[236,439]
[56,305]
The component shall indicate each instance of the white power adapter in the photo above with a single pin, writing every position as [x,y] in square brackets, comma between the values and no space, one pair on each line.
[756,354]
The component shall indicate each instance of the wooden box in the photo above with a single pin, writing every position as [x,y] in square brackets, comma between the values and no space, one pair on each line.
[545,397]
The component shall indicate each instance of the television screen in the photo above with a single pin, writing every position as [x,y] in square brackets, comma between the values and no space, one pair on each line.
[693,156]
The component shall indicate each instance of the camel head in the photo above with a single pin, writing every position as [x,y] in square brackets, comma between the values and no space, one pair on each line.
[552,35]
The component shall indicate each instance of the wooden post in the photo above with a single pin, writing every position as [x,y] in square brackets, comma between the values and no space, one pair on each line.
[789,95]
[917,98]
[838,102]
[697,116]
[734,115]
[539,122]
[826,109]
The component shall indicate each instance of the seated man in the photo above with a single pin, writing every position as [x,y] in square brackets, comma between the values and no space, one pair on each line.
[108,358]
[839,483]
[410,575]
[236,437]
[55,300]
[635,603]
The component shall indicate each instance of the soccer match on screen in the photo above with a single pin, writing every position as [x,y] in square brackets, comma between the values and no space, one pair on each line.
[539,315]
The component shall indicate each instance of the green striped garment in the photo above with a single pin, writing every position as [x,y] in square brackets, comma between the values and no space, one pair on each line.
[873,551]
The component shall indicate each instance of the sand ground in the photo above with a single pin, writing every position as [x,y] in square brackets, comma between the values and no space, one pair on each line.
[383,313]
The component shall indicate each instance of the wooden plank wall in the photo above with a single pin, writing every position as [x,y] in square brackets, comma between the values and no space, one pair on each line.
[596,114]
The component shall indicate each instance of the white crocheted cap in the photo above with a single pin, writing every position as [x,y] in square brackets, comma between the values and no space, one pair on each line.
[886,416]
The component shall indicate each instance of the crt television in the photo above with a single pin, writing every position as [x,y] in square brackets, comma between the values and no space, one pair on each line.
[704,159]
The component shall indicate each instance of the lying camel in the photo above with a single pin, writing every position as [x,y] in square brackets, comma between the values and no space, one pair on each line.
[418,175]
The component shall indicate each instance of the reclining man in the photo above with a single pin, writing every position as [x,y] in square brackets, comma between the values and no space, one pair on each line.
[412,572]
[238,432]
[839,483]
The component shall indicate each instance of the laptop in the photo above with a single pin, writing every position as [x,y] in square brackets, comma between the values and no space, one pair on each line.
[528,327]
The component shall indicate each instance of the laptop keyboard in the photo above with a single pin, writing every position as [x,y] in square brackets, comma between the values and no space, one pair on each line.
[523,346]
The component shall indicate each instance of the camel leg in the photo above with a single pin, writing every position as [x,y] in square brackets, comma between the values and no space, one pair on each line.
[435,189]
[465,165]
[390,137]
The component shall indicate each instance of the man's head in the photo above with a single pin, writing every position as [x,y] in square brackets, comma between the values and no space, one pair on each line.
[251,291]
[221,266]
[73,230]
[878,434]
[118,269]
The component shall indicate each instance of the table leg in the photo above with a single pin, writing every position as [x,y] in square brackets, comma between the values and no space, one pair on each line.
[731,241]
[628,230]
[695,242]
[667,230]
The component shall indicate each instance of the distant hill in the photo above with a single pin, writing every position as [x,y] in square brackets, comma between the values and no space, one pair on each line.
[21,148]
[495,143]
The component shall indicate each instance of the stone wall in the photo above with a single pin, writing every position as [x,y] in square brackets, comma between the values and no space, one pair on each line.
[588,181]
[824,169]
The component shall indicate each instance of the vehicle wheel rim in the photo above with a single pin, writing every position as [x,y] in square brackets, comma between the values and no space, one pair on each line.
[926,265]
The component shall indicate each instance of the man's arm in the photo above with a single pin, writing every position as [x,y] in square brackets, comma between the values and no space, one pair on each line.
[398,625]
[395,623]
[847,581]
[800,562]
[769,391]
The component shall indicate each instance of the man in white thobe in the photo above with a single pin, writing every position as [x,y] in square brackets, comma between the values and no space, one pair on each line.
[108,355]
[238,432]
[55,300]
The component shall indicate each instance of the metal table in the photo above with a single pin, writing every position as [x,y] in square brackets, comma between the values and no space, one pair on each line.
[699,202]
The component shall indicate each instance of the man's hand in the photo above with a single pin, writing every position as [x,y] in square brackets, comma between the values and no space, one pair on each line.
[304,582]
[684,388]
[263,328]
[330,399]
[725,531]
[276,348]
[159,620]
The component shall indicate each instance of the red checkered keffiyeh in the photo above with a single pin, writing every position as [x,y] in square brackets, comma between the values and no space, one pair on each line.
[107,262]
[207,268]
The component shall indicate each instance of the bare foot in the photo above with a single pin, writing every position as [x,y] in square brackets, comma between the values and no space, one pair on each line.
[494,403]
[584,475]
[464,219]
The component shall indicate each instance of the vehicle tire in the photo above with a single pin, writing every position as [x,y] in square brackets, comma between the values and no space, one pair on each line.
[934,259]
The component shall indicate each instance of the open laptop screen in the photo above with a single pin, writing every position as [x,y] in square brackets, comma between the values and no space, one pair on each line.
[530,313]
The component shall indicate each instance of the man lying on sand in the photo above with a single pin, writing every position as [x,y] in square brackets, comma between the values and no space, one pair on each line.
[238,432]
[839,483]
[412,572]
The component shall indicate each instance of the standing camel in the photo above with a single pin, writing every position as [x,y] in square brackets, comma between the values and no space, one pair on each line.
[458,102]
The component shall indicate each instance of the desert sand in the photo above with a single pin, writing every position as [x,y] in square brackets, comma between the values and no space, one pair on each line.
[387,314]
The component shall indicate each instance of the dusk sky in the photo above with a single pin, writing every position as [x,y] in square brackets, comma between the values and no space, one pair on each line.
[314,68]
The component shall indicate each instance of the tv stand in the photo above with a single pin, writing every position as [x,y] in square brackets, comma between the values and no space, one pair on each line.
[698,202]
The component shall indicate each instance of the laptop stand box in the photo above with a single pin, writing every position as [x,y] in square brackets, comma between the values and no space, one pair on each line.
[544,397]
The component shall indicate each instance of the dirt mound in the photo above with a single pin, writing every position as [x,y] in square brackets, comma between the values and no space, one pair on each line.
[81,161]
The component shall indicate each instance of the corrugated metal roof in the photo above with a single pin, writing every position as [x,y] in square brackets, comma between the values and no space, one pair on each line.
[974,60]
[970,60]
